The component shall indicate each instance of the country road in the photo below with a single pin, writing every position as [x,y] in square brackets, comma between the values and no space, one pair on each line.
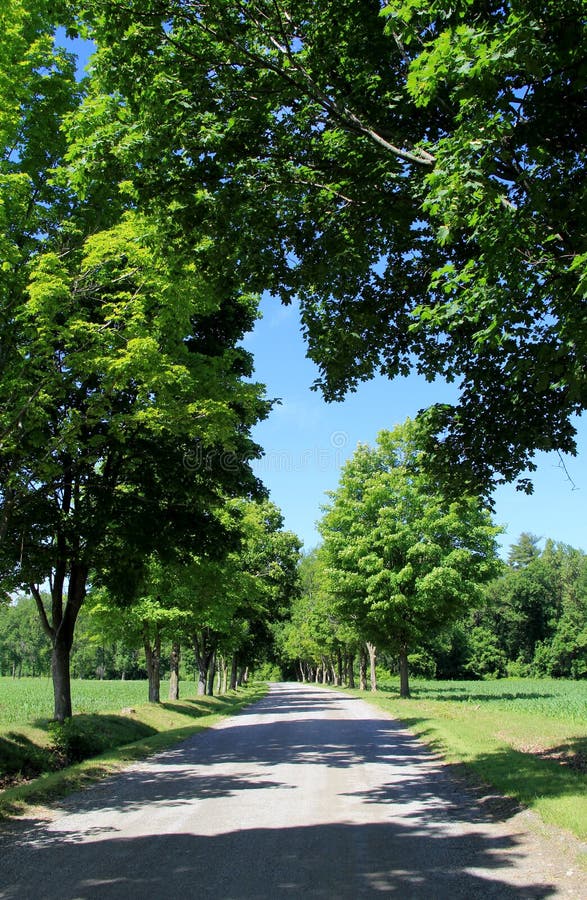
[308,793]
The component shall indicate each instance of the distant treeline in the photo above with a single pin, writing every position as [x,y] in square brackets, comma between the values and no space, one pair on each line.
[26,650]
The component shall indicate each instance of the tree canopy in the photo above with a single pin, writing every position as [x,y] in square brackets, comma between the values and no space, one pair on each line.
[413,170]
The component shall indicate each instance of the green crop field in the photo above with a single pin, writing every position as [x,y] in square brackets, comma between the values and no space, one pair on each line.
[23,700]
[555,698]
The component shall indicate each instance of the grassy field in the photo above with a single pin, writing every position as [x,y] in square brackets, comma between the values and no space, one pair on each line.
[526,738]
[26,699]
[112,726]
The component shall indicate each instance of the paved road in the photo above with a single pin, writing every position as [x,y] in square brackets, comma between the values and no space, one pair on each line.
[308,793]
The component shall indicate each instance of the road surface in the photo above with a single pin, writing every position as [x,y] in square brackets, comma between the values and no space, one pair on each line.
[308,793]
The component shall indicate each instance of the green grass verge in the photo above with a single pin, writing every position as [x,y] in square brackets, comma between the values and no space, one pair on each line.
[110,740]
[526,739]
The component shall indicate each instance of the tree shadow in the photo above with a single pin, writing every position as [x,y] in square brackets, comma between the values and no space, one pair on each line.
[571,755]
[321,861]
[20,757]
[191,708]
[306,699]
[457,694]
[523,773]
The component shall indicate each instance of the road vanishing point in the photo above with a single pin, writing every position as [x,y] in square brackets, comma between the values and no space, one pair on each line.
[307,793]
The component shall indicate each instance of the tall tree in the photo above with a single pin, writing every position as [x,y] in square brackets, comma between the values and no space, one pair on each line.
[413,170]
[404,561]
[125,415]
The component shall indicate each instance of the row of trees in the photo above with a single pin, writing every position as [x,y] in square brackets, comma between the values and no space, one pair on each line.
[221,611]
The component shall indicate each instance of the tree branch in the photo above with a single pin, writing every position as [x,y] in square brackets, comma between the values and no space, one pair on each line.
[49,631]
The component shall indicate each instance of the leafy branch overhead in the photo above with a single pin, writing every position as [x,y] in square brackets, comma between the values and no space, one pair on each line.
[415,173]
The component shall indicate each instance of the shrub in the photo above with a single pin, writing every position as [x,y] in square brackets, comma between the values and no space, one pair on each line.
[71,743]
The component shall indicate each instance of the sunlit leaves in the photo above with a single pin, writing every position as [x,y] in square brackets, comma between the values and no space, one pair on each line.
[402,560]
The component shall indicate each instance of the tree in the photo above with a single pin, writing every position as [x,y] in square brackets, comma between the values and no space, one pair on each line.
[404,561]
[233,604]
[525,551]
[314,636]
[413,171]
[125,415]
[145,623]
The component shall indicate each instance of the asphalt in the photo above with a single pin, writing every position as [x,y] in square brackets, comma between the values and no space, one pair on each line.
[308,793]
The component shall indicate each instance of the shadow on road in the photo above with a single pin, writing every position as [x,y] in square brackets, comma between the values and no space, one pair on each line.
[329,861]
[332,743]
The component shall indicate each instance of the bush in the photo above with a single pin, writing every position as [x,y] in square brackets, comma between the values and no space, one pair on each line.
[422,664]
[71,743]
[487,659]
[267,672]
[517,668]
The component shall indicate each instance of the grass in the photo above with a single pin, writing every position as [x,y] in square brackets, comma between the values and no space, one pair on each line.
[526,738]
[40,762]
[26,699]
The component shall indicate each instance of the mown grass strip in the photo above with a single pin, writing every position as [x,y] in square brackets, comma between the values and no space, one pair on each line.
[164,725]
[537,758]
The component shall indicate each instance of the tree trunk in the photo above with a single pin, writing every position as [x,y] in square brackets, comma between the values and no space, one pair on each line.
[372,650]
[324,671]
[174,671]
[203,652]
[339,665]
[61,628]
[211,673]
[233,672]
[61,680]
[350,669]
[362,668]
[404,678]
[334,673]
[153,660]
[202,677]
[302,673]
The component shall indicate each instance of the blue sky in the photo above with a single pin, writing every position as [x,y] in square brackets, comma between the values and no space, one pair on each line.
[306,440]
